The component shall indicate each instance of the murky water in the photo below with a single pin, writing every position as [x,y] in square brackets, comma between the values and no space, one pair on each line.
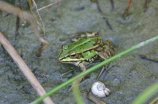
[127,76]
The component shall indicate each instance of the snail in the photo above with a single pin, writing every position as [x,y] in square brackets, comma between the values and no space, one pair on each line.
[99,90]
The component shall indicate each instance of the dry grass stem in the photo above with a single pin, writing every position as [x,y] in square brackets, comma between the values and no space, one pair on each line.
[43,29]
[24,68]
[49,5]
[16,11]
[127,8]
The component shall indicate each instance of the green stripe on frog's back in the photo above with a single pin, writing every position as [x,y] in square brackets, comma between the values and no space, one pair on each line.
[80,46]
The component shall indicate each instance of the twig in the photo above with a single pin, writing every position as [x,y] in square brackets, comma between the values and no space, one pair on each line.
[107,23]
[24,68]
[100,10]
[98,6]
[127,8]
[112,4]
[49,5]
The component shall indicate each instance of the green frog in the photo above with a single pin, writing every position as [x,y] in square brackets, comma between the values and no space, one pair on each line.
[85,49]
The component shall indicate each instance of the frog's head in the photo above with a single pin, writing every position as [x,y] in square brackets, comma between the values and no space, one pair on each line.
[68,56]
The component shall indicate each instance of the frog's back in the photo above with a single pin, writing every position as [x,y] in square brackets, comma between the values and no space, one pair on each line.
[81,45]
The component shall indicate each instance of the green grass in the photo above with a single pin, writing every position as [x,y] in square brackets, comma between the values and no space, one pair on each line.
[76,93]
[147,94]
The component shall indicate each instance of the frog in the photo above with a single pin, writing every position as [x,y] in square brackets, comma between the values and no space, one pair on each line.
[85,49]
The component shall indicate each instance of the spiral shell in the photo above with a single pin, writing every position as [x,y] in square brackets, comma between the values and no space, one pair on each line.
[99,90]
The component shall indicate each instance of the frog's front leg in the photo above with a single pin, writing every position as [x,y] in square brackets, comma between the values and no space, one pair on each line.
[83,68]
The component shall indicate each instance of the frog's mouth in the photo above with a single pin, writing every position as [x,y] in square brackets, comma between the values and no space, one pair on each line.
[71,61]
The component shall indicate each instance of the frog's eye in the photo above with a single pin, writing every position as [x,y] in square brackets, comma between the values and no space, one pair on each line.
[73,54]
[62,46]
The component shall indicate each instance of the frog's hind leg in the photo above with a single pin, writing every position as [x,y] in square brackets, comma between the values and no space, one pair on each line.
[105,67]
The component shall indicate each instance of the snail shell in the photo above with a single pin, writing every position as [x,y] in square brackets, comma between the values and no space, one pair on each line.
[99,90]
